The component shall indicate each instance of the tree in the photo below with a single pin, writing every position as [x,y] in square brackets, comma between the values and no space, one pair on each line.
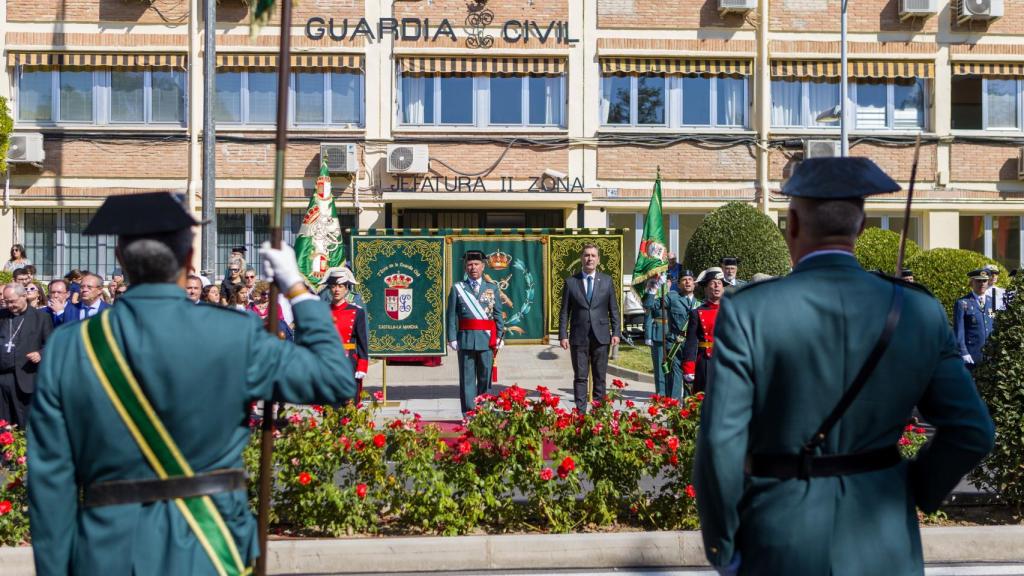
[876,250]
[1000,381]
[6,125]
[740,230]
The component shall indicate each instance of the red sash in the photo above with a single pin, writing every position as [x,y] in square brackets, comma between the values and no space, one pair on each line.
[489,325]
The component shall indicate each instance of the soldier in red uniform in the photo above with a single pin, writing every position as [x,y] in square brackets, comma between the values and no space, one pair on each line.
[700,334]
[350,321]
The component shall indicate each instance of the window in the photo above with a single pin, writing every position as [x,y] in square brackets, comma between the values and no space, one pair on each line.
[889,104]
[117,96]
[674,101]
[998,237]
[318,98]
[506,100]
[799,103]
[895,224]
[982,103]
[54,241]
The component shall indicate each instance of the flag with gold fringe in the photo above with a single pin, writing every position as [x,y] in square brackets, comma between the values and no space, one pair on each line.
[652,258]
[260,11]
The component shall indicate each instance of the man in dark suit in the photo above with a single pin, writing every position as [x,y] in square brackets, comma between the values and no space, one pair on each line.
[588,322]
[974,319]
[90,301]
[57,301]
[23,332]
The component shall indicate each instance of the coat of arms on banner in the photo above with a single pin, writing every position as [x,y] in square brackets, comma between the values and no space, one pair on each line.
[398,296]
[516,297]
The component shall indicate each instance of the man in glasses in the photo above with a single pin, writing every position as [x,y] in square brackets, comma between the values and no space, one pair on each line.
[90,303]
[57,293]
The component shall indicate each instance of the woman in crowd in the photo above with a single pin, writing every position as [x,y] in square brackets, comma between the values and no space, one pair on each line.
[34,296]
[120,290]
[212,295]
[74,282]
[261,306]
[18,259]
[240,300]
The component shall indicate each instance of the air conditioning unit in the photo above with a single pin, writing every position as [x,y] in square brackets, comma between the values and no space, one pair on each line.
[918,8]
[340,158]
[821,149]
[26,148]
[408,158]
[979,10]
[726,6]
[1020,163]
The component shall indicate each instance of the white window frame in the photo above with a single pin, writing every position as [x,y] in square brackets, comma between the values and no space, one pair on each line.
[101,101]
[984,108]
[989,235]
[674,105]
[890,107]
[807,119]
[292,100]
[483,104]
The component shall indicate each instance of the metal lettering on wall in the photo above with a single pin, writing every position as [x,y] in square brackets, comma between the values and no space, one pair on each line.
[512,31]
[543,183]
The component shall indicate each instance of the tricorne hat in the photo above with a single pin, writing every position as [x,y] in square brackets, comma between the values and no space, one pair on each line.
[340,275]
[713,273]
[140,215]
[840,178]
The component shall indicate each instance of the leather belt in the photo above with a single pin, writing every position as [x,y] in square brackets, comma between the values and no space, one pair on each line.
[786,466]
[156,489]
[349,345]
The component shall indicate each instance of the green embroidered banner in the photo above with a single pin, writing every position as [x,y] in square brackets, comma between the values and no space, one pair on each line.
[403,288]
[517,265]
[564,261]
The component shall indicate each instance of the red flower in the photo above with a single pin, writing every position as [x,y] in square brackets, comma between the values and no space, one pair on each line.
[690,491]
[3,423]
[674,460]
[317,408]
[630,404]
[5,507]
[378,396]
[547,474]
[699,396]
[361,490]
[908,427]
[345,420]
[904,441]
[312,422]
[464,447]
[6,439]
[304,478]
[360,445]
[565,467]
[649,443]
[379,440]
[684,413]
[673,443]
[919,430]
[295,418]
[618,383]
[652,410]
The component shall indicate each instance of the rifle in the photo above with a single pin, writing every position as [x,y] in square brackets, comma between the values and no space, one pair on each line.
[906,211]
[267,426]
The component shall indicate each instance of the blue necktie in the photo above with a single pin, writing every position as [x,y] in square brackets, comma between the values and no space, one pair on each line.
[590,287]
[472,285]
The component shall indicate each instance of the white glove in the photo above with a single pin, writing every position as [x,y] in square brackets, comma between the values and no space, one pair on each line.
[967,359]
[280,265]
[688,377]
[501,343]
[649,342]
[360,375]
[453,345]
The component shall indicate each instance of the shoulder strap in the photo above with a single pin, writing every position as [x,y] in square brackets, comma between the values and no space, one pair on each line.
[472,304]
[893,318]
[156,443]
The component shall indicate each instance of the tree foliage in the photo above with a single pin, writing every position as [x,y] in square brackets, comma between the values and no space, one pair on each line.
[876,250]
[944,272]
[6,126]
[741,230]
[1000,381]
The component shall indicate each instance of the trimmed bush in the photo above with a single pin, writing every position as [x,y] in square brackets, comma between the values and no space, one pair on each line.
[738,229]
[944,272]
[999,381]
[6,125]
[877,249]
[6,277]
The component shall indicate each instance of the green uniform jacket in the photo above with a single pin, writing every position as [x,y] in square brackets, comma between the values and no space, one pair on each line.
[201,367]
[490,301]
[785,350]
[678,308]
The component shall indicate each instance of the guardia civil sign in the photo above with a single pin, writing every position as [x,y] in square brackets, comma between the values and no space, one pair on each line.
[402,282]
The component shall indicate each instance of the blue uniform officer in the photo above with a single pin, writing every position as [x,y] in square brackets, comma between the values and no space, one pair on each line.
[974,319]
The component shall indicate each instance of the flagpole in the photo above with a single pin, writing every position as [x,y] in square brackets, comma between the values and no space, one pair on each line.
[269,409]
[664,313]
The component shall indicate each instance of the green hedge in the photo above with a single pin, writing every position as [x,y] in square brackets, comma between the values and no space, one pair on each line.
[944,272]
[876,249]
[738,229]
[1000,381]
[6,125]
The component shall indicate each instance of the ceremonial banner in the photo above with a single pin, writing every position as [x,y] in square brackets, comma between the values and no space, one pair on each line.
[401,280]
[564,261]
[653,257]
[319,245]
[517,265]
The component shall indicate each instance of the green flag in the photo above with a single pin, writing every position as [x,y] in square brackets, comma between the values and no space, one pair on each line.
[652,258]
[319,246]
[260,11]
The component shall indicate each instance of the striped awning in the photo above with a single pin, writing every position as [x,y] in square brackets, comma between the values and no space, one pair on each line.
[319,61]
[93,60]
[674,66]
[855,69]
[547,66]
[988,68]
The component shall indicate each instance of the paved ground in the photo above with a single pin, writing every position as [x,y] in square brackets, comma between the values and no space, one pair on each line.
[433,391]
[934,570]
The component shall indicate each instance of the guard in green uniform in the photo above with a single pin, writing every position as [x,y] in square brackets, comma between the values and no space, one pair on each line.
[143,410]
[796,472]
[475,328]
[671,311]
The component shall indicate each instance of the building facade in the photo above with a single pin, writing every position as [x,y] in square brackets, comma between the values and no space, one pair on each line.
[529,113]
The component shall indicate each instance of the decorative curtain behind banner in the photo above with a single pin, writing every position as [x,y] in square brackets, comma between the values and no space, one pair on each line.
[564,261]
[517,265]
[403,287]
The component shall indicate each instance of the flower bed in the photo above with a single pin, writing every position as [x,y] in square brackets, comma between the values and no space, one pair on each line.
[519,464]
